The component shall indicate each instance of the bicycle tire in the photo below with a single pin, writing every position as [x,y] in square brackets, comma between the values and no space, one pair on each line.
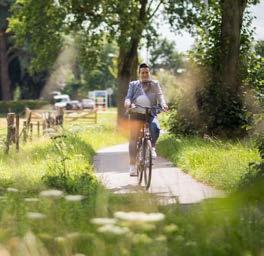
[139,163]
[147,169]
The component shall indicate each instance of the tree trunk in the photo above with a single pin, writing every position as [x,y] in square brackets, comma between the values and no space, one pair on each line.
[128,62]
[232,17]
[128,59]
[4,73]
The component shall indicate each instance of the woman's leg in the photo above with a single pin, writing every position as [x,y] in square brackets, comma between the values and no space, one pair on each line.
[154,130]
[135,127]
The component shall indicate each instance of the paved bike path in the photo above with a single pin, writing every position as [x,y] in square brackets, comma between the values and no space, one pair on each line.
[169,183]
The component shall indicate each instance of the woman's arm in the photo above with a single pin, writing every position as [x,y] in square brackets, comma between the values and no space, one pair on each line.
[128,98]
[161,98]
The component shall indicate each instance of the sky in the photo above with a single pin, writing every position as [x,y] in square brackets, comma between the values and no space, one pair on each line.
[185,41]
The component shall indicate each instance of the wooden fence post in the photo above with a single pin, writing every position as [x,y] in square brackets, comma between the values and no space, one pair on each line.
[17,132]
[48,120]
[11,130]
[44,123]
[25,131]
[31,131]
[59,116]
[38,128]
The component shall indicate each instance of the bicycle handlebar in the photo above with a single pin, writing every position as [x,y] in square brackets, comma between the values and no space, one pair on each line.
[153,107]
[159,108]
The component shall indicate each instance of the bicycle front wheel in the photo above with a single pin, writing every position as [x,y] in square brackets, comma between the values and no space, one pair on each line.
[147,169]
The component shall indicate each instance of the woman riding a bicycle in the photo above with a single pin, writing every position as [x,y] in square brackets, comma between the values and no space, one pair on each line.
[147,93]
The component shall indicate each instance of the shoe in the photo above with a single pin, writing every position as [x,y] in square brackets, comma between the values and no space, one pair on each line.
[154,153]
[132,170]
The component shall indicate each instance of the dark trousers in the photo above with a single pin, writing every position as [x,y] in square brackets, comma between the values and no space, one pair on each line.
[135,126]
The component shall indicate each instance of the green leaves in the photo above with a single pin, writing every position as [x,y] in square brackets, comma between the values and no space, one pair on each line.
[37,26]
[164,55]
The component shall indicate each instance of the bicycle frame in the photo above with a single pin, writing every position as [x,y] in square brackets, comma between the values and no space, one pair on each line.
[144,149]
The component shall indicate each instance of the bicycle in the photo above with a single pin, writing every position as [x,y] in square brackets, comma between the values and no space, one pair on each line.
[144,149]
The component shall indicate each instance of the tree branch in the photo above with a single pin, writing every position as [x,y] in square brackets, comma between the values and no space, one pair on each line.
[156,9]
[149,7]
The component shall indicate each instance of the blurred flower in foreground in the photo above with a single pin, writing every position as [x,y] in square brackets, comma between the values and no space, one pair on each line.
[103,221]
[112,229]
[141,239]
[60,239]
[171,228]
[12,190]
[74,198]
[73,235]
[35,215]
[52,193]
[31,200]
[139,216]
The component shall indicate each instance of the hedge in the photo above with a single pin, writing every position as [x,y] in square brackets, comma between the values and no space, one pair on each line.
[19,106]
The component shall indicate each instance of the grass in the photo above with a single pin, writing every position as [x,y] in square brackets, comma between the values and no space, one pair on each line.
[215,162]
[34,224]
[26,168]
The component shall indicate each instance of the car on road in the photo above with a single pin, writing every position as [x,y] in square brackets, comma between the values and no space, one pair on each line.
[64,101]
[88,103]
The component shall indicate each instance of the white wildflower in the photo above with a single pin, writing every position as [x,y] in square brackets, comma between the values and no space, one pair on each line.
[13,190]
[52,193]
[31,200]
[73,235]
[139,216]
[60,239]
[74,198]
[191,243]
[103,221]
[113,229]
[35,215]
[141,239]
[161,238]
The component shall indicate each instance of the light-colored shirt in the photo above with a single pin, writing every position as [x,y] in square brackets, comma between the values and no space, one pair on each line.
[151,89]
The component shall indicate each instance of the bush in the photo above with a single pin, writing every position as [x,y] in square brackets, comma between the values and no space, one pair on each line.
[183,120]
[256,173]
[20,105]
[211,111]
[70,171]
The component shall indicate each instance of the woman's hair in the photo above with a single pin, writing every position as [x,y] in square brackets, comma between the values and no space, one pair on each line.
[143,65]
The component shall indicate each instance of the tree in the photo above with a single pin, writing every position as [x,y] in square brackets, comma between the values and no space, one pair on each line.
[225,94]
[229,60]
[38,27]
[223,40]
[99,76]
[164,55]
[259,47]
[5,83]
[126,22]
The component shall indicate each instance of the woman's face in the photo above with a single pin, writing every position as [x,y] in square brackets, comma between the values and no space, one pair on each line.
[144,74]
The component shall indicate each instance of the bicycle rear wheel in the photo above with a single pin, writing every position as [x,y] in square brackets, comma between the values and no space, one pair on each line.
[139,162]
[147,167]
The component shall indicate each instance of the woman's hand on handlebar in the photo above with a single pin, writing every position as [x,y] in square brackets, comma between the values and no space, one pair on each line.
[127,103]
[165,107]
[132,105]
